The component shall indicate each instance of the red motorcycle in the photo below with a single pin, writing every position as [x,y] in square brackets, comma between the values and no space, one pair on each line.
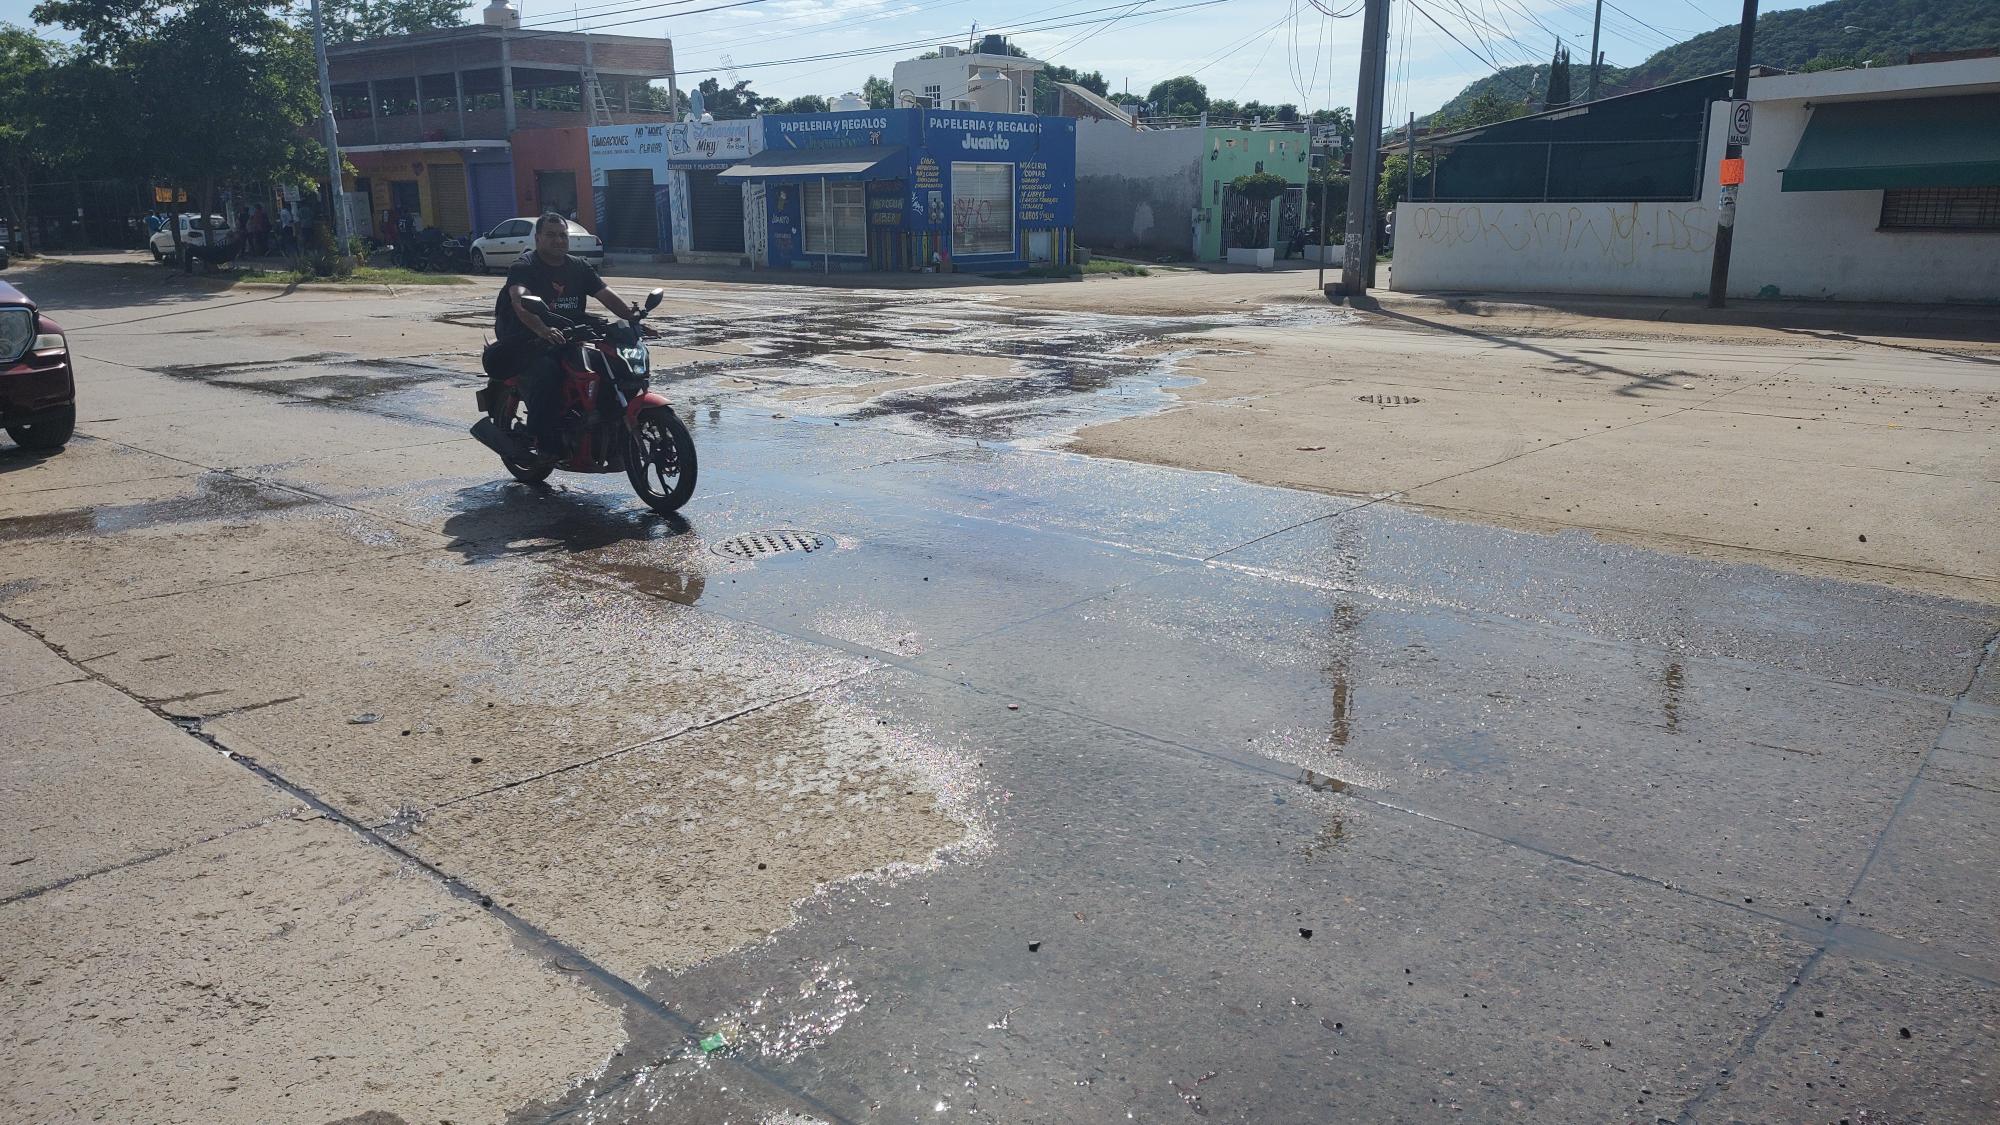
[611,419]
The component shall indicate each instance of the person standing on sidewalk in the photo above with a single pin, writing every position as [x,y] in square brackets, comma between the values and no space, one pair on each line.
[259,231]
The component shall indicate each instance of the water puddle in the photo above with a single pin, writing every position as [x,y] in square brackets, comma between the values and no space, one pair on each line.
[217,496]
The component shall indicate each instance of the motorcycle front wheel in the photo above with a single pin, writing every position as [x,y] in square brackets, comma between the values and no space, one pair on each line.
[661,463]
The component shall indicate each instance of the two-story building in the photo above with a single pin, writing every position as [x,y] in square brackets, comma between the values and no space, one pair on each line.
[986,79]
[463,127]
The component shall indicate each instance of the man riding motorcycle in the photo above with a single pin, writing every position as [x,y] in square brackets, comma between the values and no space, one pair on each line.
[550,272]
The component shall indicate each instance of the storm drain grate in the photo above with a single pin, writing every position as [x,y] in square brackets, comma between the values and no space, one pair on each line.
[757,544]
[1391,400]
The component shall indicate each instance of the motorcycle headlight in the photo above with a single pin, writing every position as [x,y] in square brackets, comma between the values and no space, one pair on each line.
[636,358]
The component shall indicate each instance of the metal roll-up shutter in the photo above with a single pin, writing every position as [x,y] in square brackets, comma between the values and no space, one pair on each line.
[630,219]
[448,207]
[715,211]
[492,194]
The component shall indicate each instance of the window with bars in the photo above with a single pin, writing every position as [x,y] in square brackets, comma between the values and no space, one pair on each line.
[1944,208]
[836,218]
[982,209]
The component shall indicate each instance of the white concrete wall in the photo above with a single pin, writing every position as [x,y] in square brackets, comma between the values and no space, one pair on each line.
[1825,245]
[1136,189]
[1645,249]
[1800,244]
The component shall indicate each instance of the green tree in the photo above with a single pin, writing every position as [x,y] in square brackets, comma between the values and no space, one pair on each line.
[29,145]
[736,102]
[1558,95]
[881,94]
[1394,186]
[1486,109]
[1829,62]
[1260,188]
[1327,183]
[213,93]
[349,20]
[1178,97]
[1285,112]
[1224,111]
[805,103]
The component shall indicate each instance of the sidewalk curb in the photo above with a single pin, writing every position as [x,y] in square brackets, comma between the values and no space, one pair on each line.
[1975,321]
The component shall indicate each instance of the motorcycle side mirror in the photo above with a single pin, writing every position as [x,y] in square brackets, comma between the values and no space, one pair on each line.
[535,305]
[654,298]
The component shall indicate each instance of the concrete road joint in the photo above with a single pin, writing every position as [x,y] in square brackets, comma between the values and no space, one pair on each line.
[610,986]
[1828,935]
[134,861]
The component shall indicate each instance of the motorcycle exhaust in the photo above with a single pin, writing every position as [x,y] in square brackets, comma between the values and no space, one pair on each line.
[492,437]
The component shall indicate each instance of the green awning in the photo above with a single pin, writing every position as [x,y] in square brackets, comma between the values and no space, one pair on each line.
[1895,143]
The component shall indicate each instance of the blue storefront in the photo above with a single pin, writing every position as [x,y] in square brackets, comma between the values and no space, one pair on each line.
[910,189]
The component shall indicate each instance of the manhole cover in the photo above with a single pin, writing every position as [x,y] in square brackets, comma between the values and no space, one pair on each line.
[757,544]
[1391,400]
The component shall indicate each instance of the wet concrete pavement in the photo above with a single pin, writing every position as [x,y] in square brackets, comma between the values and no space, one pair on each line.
[1178,796]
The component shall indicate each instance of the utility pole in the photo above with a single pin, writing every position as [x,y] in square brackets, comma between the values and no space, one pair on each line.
[340,232]
[1358,264]
[1725,208]
[1320,231]
[1596,21]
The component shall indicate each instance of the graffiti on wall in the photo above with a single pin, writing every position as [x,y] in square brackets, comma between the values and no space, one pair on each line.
[1618,233]
[754,237]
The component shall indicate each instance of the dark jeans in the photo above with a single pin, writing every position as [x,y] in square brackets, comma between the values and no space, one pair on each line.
[541,386]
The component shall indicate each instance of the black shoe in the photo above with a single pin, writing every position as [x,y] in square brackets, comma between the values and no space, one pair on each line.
[539,457]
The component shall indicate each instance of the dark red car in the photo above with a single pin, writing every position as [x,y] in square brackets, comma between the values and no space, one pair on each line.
[37,385]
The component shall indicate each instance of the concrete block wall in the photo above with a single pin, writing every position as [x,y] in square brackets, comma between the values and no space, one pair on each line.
[1136,190]
[1636,249]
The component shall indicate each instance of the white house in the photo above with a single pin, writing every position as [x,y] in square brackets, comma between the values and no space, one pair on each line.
[1878,184]
[985,80]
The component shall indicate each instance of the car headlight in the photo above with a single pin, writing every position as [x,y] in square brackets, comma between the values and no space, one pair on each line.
[49,343]
[17,331]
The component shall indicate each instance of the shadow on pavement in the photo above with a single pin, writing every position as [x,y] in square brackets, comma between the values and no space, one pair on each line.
[509,519]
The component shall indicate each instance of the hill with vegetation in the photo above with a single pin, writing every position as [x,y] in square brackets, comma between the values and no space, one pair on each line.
[1815,38]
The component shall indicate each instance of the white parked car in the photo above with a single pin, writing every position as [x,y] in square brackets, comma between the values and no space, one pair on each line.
[219,235]
[515,237]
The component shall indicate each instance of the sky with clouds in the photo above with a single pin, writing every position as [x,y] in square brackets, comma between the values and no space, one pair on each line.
[1273,51]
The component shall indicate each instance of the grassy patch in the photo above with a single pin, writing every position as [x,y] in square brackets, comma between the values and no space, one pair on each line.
[1099,267]
[365,275]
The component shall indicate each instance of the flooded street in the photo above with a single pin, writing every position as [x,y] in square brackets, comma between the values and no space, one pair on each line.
[925,768]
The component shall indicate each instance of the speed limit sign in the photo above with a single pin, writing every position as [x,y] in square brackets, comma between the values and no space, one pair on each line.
[1739,123]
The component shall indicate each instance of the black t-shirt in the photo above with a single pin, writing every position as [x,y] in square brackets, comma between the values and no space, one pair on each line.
[564,287]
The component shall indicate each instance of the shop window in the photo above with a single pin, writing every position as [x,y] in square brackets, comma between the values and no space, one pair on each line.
[982,209]
[1953,208]
[836,218]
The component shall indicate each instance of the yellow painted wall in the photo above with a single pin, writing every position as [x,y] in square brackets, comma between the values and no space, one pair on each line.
[426,204]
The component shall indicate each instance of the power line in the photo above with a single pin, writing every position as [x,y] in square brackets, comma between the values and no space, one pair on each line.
[1016,29]
[1497,68]
[1254,67]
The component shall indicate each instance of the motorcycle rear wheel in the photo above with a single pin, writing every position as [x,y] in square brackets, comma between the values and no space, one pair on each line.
[661,464]
[528,474]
